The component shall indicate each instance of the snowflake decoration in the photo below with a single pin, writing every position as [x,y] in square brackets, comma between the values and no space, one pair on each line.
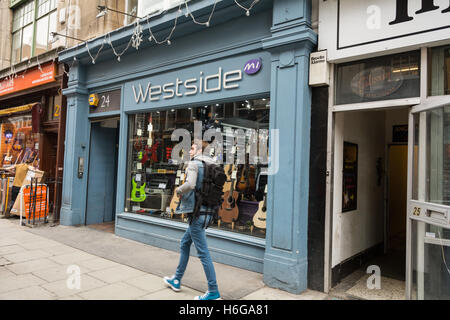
[136,38]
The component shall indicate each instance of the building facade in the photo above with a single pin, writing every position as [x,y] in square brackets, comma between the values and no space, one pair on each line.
[32,106]
[238,73]
[387,200]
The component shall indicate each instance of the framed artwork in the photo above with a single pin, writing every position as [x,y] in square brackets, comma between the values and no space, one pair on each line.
[350,177]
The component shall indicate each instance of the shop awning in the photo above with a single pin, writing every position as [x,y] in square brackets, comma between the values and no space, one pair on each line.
[9,111]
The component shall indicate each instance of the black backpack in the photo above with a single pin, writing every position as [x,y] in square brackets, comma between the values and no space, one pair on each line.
[211,192]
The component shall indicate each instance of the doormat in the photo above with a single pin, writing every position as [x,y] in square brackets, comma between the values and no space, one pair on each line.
[390,289]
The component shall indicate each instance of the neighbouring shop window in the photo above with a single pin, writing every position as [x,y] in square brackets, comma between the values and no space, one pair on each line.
[350,177]
[439,83]
[383,78]
[18,143]
[241,146]
[438,155]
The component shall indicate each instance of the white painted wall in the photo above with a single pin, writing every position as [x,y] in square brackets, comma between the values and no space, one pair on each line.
[358,230]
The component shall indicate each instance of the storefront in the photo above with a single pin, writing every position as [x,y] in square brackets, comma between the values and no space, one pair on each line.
[32,121]
[241,80]
[387,210]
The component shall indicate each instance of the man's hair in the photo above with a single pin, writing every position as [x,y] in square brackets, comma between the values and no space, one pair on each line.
[200,144]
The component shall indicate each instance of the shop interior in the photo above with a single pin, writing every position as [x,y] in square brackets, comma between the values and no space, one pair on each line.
[369,202]
[153,173]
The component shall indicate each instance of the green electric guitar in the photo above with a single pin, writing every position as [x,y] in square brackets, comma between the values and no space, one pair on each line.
[140,190]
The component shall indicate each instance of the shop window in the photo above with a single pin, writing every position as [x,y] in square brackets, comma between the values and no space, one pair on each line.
[439,83]
[153,172]
[18,143]
[438,155]
[382,78]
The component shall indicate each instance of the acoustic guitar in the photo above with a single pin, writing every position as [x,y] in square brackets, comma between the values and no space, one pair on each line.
[242,184]
[228,211]
[175,198]
[228,168]
[259,219]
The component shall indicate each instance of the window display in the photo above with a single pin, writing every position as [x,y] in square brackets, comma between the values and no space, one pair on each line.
[238,137]
[18,143]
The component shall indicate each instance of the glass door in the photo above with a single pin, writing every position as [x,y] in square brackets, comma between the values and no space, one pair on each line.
[428,225]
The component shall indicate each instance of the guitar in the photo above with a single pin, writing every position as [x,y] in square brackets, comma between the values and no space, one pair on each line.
[147,148]
[140,190]
[243,181]
[175,198]
[259,219]
[228,211]
[228,168]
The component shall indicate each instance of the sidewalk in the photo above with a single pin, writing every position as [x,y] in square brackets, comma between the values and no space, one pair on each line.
[34,264]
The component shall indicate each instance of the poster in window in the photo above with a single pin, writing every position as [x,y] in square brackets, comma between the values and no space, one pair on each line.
[350,177]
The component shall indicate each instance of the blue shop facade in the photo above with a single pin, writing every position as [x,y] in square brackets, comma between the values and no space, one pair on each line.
[242,74]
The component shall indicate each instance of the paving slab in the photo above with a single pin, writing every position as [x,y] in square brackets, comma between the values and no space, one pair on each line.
[5,273]
[14,248]
[64,289]
[115,291]
[169,294]
[116,274]
[30,293]
[26,255]
[31,266]
[59,272]
[14,282]
[148,282]
[97,264]
[72,258]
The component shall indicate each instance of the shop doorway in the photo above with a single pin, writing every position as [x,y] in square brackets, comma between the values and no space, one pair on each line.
[102,174]
[369,204]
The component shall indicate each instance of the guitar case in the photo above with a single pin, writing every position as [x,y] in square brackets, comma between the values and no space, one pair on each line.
[247,210]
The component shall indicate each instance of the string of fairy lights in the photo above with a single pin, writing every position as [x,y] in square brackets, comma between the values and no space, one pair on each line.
[136,38]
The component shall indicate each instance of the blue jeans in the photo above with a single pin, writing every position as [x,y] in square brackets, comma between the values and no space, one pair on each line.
[196,233]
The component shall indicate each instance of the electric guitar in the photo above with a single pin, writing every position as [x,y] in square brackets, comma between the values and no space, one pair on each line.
[140,190]
[228,211]
[259,219]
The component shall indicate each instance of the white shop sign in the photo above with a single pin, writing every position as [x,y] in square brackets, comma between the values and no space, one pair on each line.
[319,69]
[349,28]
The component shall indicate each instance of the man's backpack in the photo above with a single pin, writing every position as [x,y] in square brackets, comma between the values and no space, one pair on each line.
[211,192]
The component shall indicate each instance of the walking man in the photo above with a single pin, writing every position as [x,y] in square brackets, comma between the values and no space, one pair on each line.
[196,230]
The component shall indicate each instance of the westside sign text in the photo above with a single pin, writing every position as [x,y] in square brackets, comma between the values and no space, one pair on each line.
[197,85]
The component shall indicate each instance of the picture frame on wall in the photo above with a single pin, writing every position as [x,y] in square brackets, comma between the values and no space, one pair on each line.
[350,177]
